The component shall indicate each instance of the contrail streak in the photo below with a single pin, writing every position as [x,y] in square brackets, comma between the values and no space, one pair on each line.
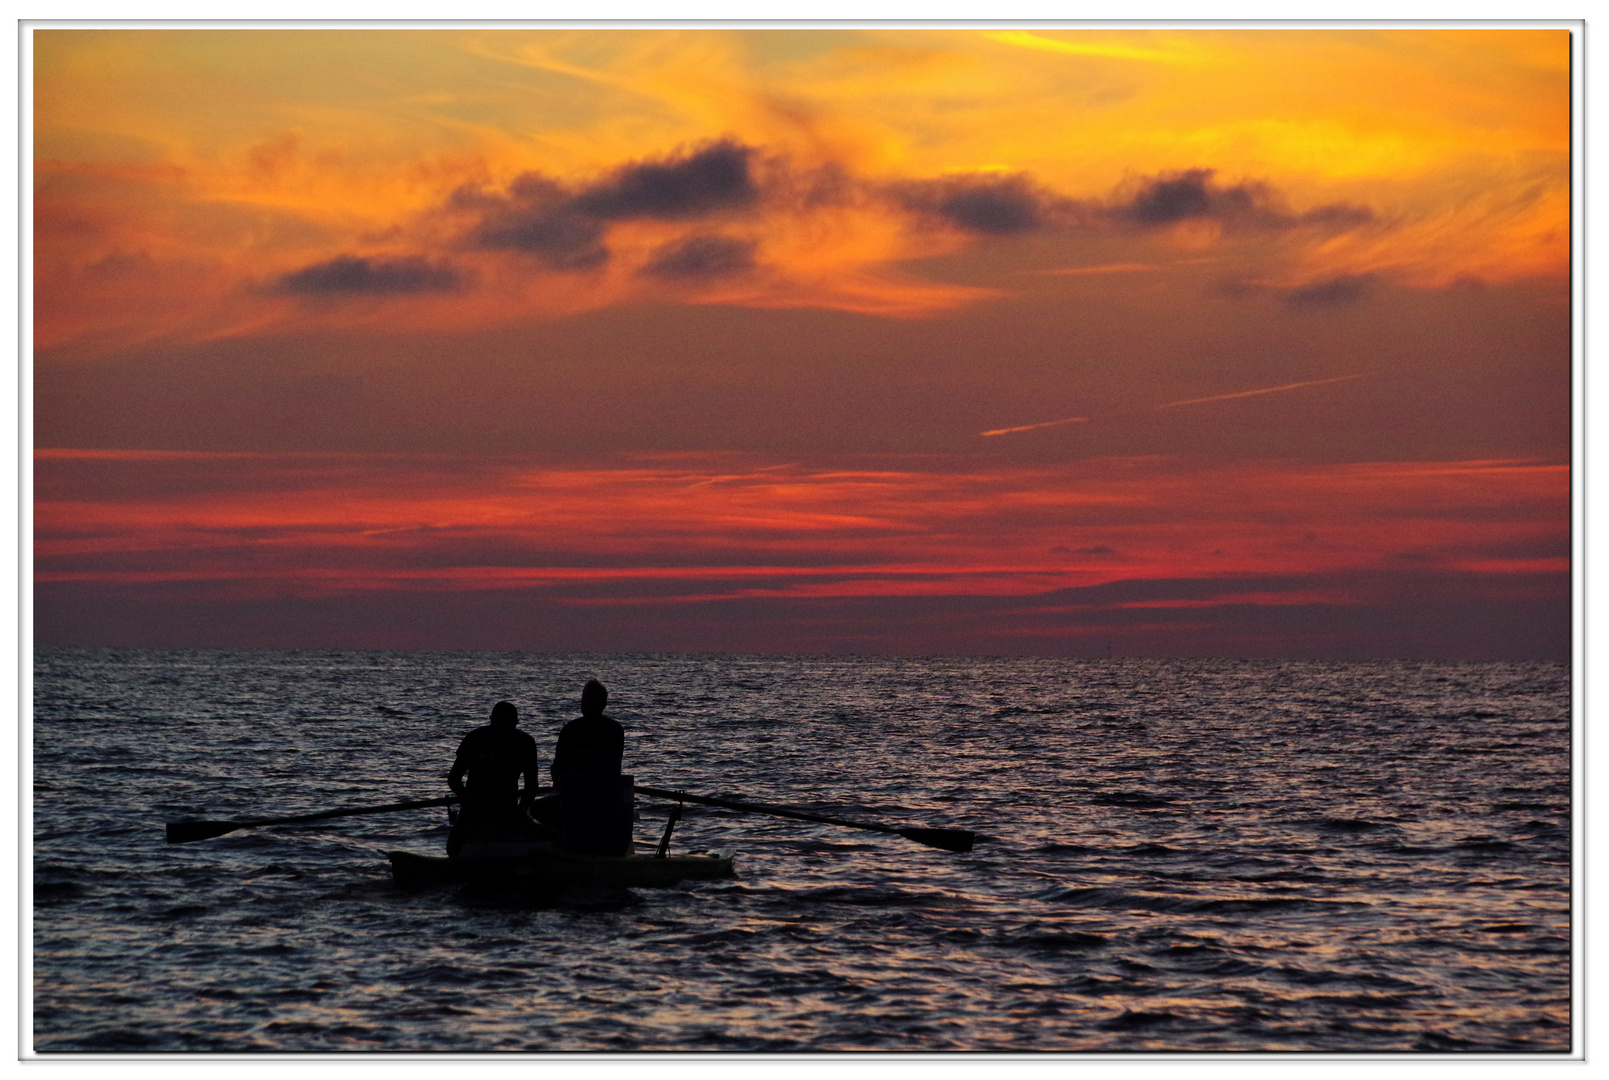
[1030,427]
[1188,401]
[1266,390]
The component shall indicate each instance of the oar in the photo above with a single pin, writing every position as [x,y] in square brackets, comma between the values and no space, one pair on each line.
[948,839]
[183,832]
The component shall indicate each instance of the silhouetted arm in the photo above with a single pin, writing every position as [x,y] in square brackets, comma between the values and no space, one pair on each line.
[455,778]
[531,771]
[559,755]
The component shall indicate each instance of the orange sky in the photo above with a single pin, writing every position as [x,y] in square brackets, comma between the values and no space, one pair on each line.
[957,340]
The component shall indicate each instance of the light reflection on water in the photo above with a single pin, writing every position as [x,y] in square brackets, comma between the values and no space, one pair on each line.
[1181,855]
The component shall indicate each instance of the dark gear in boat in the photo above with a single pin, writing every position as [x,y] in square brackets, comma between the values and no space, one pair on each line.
[486,776]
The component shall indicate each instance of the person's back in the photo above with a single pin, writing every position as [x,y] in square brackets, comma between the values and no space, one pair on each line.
[594,799]
[592,744]
[486,776]
[492,760]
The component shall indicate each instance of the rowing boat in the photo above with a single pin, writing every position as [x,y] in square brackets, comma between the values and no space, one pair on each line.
[539,865]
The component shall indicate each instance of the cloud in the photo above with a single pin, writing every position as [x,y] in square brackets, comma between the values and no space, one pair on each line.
[1192,194]
[997,205]
[639,129]
[1340,216]
[536,217]
[1331,292]
[1170,199]
[1104,268]
[350,274]
[698,530]
[1106,48]
[707,181]
[567,227]
[701,256]
[833,238]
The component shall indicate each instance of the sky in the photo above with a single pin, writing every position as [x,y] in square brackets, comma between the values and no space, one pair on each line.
[1148,342]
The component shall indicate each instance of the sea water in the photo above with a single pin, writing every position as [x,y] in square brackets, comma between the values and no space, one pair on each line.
[1171,856]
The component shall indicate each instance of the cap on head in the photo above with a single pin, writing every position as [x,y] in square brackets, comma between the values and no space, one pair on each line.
[593,698]
[504,713]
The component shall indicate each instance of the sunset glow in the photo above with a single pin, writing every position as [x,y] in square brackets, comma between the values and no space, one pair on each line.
[1178,342]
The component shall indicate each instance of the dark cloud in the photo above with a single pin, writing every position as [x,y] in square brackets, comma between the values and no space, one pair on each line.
[566,228]
[1006,206]
[1192,194]
[1183,196]
[708,180]
[349,274]
[1003,205]
[563,240]
[1331,292]
[701,256]
[537,217]
[998,205]
[1166,200]
[1338,216]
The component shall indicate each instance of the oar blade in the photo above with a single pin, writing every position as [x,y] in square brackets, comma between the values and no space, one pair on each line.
[948,839]
[184,832]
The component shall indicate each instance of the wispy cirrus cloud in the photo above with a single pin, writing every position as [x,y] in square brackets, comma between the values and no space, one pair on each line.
[702,531]
[721,510]
[1176,52]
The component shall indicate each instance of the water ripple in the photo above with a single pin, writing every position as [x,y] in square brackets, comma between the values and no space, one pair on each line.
[1172,856]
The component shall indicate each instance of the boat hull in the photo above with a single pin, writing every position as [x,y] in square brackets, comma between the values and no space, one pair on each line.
[551,868]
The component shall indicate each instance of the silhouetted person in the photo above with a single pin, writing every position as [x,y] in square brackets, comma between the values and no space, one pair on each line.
[486,778]
[593,743]
[593,808]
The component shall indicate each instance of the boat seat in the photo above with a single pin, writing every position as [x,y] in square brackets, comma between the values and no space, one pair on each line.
[595,814]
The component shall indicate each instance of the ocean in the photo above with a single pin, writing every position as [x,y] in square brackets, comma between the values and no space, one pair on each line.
[1172,856]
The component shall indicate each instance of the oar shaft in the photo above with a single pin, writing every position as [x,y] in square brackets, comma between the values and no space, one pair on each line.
[351,811]
[763,808]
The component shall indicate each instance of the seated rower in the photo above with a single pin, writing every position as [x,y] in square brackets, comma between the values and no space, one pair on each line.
[592,744]
[594,806]
[486,775]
